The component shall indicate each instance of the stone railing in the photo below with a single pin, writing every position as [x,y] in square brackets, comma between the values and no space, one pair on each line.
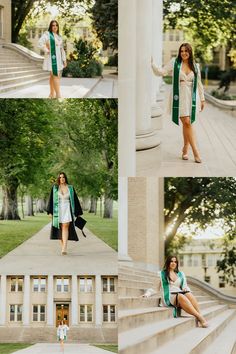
[211,290]
[29,54]
[227,105]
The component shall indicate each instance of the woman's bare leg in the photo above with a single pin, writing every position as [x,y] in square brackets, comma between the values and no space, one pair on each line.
[52,91]
[193,301]
[189,135]
[186,305]
[56,85]
[186,142]
[65,233]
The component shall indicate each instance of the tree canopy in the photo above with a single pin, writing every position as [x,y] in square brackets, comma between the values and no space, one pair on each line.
[206,23]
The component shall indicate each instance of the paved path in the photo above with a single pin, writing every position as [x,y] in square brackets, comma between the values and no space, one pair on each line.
[47,348]
[70,88]
[39,255]
[216,136]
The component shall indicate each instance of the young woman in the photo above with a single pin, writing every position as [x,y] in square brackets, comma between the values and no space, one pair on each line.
[175,291]
[63,206]
[55,58]
[187,96]
[62,334]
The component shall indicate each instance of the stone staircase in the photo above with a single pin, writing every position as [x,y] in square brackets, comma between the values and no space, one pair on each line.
[17,71]
[145,328]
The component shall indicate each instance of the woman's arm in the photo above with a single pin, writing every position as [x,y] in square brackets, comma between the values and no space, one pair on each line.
[44,43]
[166,70]
[185,285]
[200,87]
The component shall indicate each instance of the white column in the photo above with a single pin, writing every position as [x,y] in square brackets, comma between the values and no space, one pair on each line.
[157,40]
[50,300]
[74,300]
[127,84]
[98,300]
[26,301]
[3,291]
[146,137]
[123,219]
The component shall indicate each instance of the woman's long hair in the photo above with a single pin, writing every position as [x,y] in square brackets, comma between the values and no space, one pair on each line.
[167,265]
[50,26]
[58,178]
[190,60]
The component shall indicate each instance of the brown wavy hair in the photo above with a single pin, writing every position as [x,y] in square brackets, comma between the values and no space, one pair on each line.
[58,178]
[50,26]
[167,265]
[191,59]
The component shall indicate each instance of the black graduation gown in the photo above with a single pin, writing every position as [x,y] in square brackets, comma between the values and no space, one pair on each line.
[55,232]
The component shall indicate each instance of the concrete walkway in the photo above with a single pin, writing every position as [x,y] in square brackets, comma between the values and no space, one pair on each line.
[216,137]
[47,348]
[39,255]
[70,88]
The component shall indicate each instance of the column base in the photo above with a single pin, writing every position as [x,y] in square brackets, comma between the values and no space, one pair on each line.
[147,141]
[124,258]
[157,120]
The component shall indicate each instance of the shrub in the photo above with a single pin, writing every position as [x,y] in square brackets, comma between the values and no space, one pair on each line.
[113,60]
[213,72]
[221,95]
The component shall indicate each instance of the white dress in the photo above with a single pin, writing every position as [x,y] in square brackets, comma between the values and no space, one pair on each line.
[185,88]
[64,207]
[60,53]
[62,331]
[174,287]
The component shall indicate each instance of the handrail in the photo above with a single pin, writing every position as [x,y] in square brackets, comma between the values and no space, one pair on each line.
[211,290]
[229,105]
[24,51]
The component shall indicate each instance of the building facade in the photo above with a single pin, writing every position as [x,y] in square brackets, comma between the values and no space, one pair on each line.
[31,306]
[199,259]
[5,21]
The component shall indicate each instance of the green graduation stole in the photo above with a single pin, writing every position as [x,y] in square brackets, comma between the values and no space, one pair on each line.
[55,218]
[166,290]
[53,54]
[175,104]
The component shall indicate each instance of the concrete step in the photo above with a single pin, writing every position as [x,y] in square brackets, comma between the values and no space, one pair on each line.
[225,342]
[22,78]
[149,337]
[23,68]
[22,84]
[139,317]
[124,291]
[135,284]
[130,270]
[138,277]
[137,302]
[196,340]
[20,73]
[12,65]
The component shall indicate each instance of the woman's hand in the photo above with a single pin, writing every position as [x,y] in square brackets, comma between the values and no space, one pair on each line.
[202,105]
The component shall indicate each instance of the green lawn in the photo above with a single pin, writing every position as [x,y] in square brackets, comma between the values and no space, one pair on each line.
[8,348]
[109,347]
[105,229]
[13,233]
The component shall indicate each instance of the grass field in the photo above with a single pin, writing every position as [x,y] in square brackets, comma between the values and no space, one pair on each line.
[109,347]
[8,348]
[14,233]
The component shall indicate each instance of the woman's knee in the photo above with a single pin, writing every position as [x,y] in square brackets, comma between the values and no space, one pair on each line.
[186,121]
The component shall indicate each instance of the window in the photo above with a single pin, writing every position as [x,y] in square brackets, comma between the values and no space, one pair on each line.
[109,313]
[181,260]
[171,36]
[189,260]
[62,285]
[39,285]
[86,313]
[1,22]
[207,279]
[16,284]
[39,313]
[221,282]
[108,285]
[33,33]
[85,285]
[16,313]
[211,260]
[196,262]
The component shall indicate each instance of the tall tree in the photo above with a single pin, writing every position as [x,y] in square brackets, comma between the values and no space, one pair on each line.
[25,137]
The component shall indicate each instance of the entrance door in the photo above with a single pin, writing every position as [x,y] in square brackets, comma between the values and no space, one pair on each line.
[62,313]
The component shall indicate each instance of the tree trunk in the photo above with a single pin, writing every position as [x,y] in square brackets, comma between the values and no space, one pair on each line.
[93,205]
[29,206]
[85,203]
[40,205]
[108,208]
[9,205]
